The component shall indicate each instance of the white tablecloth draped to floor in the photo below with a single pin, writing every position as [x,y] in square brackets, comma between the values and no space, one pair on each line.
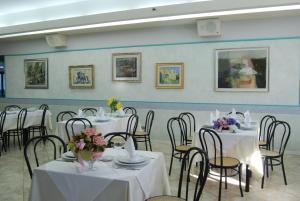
[62,181]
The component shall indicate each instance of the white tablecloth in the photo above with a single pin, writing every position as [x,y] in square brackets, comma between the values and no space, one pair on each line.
[61,181]
[32,118]
[242,145]
[116,124]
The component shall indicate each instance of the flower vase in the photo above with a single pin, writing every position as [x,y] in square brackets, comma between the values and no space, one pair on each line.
[91,166]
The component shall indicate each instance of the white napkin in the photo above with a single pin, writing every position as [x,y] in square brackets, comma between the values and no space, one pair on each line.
[130,148]
[233,113]
[212,118]
[121,112]
[217,114]
[100,113]
[247,119]
[80,113]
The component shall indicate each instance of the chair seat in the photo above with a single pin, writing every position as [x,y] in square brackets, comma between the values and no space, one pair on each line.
[182,148]
[265,152]
[227,162]
[140,134]
[262,142]
[165,198]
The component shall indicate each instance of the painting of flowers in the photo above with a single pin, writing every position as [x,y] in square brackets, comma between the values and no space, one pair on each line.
[169,75]
[244,69]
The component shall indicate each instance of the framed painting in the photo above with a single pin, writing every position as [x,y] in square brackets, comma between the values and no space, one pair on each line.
[36,73]
[81,77]
[126,67]
[243,69]
[169,75]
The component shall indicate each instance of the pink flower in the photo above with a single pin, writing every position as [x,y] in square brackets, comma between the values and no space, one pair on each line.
[98,140]
[90,131]
[80,145]
[96,155]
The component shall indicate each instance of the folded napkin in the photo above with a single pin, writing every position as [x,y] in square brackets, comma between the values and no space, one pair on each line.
[80,113]
[247,118]
[130,148]
[120,112]
[233,113]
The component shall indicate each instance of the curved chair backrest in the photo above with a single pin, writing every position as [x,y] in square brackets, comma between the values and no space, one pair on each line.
[112,138]
[129,110]
[44,116]
[12,107]
[177,131]
[189,118]
[132,124]
[194,155]
[65,115]
[75,125]
[240,116]
[212,144]
[44,106]
[38,147]
[279,136]
[2,121]
[21,119]
[89,111]
[264,128]
[149,121]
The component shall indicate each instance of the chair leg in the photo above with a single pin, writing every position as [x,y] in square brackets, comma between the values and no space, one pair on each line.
[240,180]
[146,144]
[225,178]
[271,164]
[18,136]
[149,143]
[171,165]
[220,184]
[263,177]
[267,167]
[283,171]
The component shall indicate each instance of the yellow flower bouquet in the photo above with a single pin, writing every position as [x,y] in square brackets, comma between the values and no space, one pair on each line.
[114,104]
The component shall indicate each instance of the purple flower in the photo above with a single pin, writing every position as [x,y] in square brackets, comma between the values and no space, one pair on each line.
[80,145]
[231,121]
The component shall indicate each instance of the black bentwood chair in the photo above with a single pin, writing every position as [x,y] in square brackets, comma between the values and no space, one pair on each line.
[12,107]
[44,106]
[129,110]
[41,128]
[75,125]
[2,134]
[273,155]
[189,118]
[144,135]
[37,150]
[212,144]
[65,115]
[20,130]
[265,129]
[192,155]
[132,124]
[118,137]
[177,133]
[89,111]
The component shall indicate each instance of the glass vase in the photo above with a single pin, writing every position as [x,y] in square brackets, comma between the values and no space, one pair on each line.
[91,165]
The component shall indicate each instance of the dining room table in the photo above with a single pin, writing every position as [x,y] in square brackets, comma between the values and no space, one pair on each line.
[112,123]
[241,144]
[62,180]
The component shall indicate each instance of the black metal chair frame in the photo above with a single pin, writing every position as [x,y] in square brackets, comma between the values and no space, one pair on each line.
[42,140]
[176,153]
[276,160]
[204,135]
[124,135]
[130,110]
[20,130]
[8,107]
[147,129]
[132,124]
[91,110]
[265,129]
[189,118]
[2,134]
[39,128]
[61,115]
[85,122]
[44,106]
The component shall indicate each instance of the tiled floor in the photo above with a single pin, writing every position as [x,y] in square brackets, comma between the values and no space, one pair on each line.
[15,181]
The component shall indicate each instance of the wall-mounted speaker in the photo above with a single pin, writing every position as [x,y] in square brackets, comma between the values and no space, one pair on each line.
[209,27]
[56,40]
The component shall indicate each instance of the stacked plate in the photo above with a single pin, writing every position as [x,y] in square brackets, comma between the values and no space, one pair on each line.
[68,156]
[250,126]
[136,162]
[102,119]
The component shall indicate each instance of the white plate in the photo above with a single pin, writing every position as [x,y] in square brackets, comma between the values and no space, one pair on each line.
[105,158]
[136,160]
[247,127]
[130,165]
[102,120]
[67,158]
[121,116]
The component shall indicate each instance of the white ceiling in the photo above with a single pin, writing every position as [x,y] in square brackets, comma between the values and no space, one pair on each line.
[30,15]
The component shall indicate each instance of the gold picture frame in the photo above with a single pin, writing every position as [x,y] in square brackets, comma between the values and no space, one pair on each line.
[169,75]
[81,77]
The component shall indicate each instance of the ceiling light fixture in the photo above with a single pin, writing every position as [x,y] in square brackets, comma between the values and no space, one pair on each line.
[159,19]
